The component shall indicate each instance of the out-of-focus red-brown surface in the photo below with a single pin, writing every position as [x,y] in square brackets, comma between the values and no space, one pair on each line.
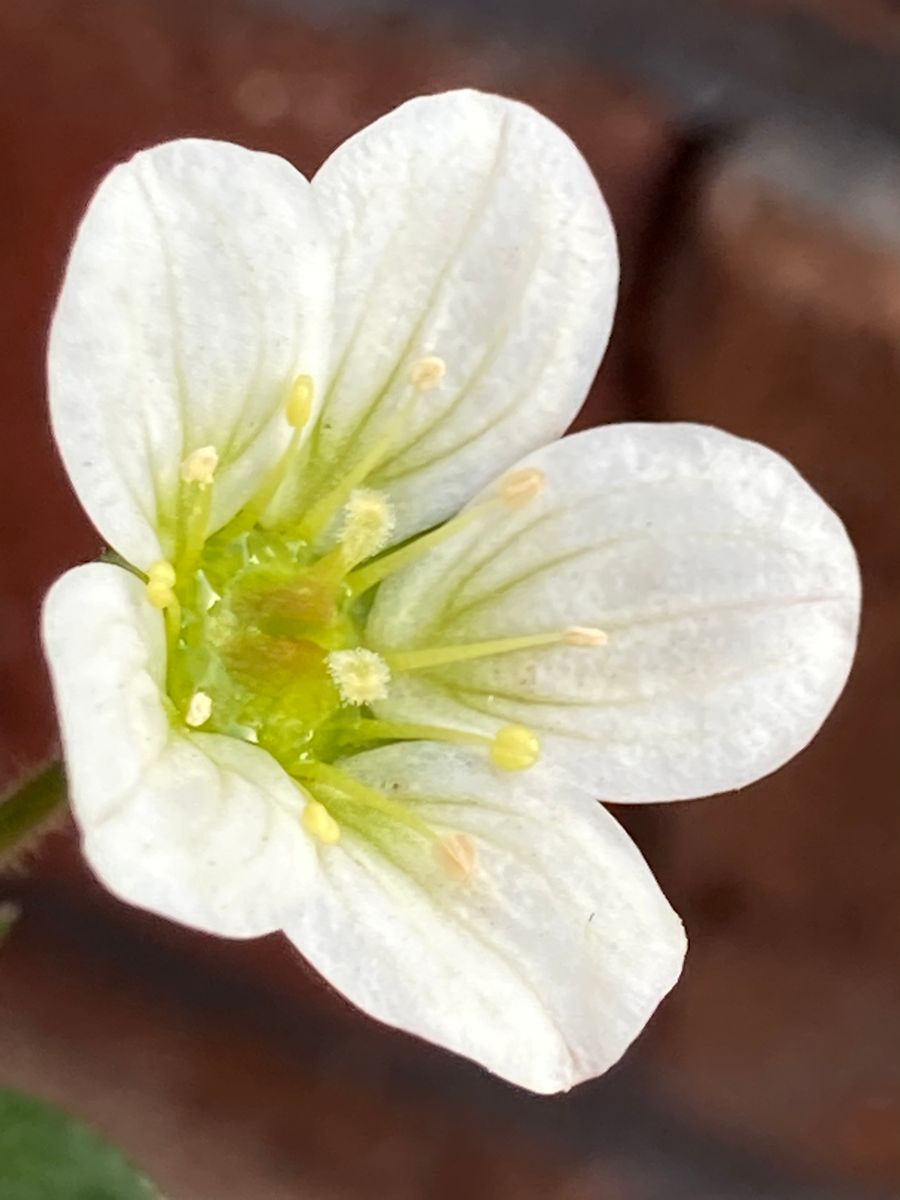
[780,319]
[225,1067]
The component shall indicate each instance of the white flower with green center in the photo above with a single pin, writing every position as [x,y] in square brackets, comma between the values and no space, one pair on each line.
[373,641]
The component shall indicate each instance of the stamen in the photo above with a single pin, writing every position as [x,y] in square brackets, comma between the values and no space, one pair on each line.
[160,584]
[440,656]
[585,635]
[163,572]
[323,512]
[345,785]
[515,491]
[457,854]
[426,373]
[515,748]
[403,731]
[366,577]
[519,488]
[158,594]
[199,710]
[197,473]
[297,411]
[161,578]
[361,676]
[368,524]
[320,824]
[200,466]
[300,401]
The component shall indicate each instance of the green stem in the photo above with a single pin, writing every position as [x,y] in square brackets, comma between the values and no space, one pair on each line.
[24,812]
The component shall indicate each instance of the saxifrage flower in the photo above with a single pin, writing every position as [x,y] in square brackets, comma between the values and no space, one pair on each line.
[372,642]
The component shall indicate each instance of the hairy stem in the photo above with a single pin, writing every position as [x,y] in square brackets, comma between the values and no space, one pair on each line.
[27,810]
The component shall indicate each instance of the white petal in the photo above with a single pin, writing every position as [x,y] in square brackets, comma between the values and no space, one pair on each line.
[543,965]
[198,289]
[470,228]
[202,829]
[729,590]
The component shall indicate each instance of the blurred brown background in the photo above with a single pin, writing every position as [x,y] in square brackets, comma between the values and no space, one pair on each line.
[750,151]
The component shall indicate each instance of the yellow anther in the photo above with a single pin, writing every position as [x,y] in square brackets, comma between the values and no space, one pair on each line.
[360,675]
[426,373]
[300,401]
[159,595]
[162,572]
[515,748]
[320,824]
[519,488]
[585,635]
[199,710]
[160,584]
[457,854]
[368,524]
[200,466]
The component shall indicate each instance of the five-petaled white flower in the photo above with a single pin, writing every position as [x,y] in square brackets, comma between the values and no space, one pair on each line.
[374,641]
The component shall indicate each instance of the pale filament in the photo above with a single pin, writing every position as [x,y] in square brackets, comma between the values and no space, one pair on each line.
[427,657]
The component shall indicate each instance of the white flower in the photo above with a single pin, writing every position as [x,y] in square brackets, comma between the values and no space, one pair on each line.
[291,712]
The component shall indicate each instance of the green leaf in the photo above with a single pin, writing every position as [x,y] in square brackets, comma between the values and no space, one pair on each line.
[46,1155]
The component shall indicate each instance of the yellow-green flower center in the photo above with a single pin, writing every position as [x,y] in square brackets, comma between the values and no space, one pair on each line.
[259,620]
[265,629]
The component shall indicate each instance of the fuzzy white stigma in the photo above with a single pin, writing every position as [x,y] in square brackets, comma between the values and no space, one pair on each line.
[360,676]
[368,524]
[200,466]
[426,373]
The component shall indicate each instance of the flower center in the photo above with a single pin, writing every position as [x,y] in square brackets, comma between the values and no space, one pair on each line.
[265,628]
[263,623]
